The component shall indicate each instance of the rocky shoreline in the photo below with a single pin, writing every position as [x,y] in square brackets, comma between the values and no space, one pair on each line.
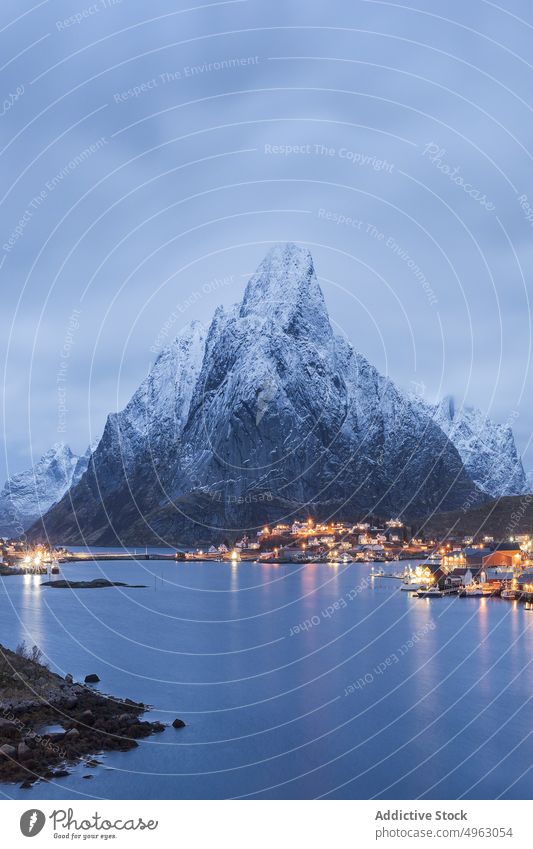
[48,722]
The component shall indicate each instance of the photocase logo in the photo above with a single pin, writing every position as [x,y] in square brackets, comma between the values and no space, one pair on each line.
[32,822]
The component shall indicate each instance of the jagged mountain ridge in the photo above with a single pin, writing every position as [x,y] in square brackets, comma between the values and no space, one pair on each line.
[486,448]
[268,414]
[28,494]
[130,471]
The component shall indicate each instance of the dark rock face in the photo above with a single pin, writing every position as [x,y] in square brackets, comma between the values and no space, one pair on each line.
[267,417]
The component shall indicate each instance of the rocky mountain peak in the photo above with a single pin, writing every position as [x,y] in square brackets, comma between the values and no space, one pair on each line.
[285,292]
[447,407]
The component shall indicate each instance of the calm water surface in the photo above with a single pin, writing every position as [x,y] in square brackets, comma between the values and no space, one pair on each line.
[294,681]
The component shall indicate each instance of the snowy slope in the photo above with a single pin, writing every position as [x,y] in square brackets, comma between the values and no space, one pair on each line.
[487,449]
[150,426]
[132,468]
[31,493]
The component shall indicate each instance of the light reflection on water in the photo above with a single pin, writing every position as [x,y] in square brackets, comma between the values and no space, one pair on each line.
[223,646]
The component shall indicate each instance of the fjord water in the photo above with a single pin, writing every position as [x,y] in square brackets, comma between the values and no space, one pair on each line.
[294,681]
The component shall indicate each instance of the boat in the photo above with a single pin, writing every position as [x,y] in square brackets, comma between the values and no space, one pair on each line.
[471,590]
[491,589]
[412,588]
[380,573]
[510,595]
[432,592]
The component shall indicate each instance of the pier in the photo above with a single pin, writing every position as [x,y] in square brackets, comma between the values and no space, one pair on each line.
[85,557]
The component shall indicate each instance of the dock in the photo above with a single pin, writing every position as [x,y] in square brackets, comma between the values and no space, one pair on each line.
[82,557]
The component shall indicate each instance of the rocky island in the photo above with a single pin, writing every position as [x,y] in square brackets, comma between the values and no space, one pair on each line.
[96,584]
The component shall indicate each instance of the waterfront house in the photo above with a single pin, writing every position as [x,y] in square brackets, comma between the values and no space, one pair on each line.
[454,559]
[467,575]
[436,574]
[525,581]
[505,554]
[499,573]
[474,555]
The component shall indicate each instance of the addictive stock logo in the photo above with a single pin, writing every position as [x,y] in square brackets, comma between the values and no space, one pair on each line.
[32,822]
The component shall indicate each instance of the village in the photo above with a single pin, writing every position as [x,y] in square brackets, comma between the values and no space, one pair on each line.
[467,566]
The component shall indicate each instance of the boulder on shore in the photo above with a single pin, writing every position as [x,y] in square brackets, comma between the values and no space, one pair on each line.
[92,678]
[73,734]
[87,717]
[7,751]
[8,728]
[23,751]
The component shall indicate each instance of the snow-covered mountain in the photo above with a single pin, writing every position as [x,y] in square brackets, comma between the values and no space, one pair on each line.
[285,408]
[132,470]
[148,430]
[267,416]
[487,449]
[29,494]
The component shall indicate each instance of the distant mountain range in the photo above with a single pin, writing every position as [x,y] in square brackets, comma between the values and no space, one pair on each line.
[269,415]
[28,495]
[487,449]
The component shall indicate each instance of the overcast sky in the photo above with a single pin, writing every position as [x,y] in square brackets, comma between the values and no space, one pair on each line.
[151,153]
